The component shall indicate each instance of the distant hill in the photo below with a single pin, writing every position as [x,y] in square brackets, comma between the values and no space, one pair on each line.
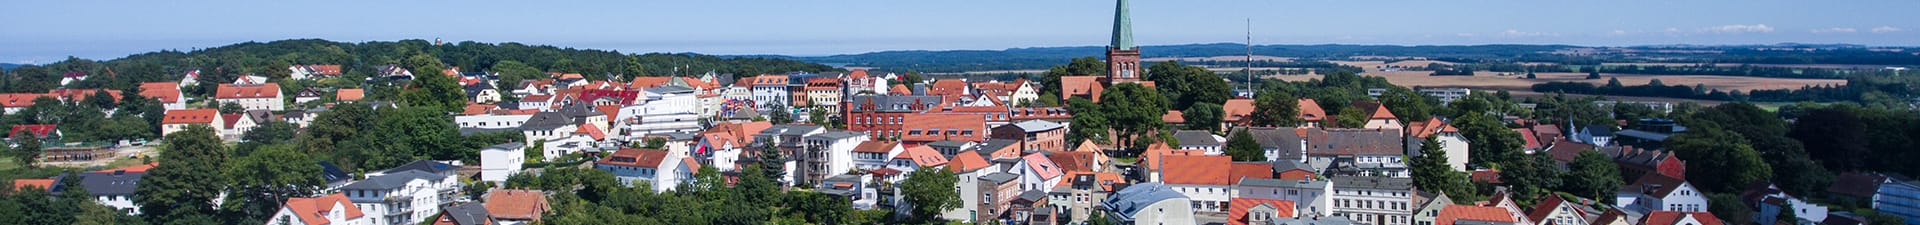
[1045,57]
[8,66]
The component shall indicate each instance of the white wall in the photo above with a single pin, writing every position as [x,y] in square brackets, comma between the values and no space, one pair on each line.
[497,164]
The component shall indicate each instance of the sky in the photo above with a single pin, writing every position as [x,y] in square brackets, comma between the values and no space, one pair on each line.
[48,31]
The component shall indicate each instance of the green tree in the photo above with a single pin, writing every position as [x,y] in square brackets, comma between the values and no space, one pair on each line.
[264,179]
[633,68]
[1089,121]
[656,143]
[1133,111]
[1431,172]
[1531,76]
[333,128]
[267,133]
[1715,164]
[27,152]
[1350,117]
[1592,175]
[1243,148]
[1594,75]
[1274,108]
[231,108]
[819,208]
[1532,176]
[1204,116]
[182,188]
[431,87]
[1408,104]
[101,100]
[818,117]
[428,134]
[930,192]
[779,114]
[1730,208]
[1489,141]
[1187,85]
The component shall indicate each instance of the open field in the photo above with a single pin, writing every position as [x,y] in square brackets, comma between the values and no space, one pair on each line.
[1813,66]
[1490,80]
[1241,58]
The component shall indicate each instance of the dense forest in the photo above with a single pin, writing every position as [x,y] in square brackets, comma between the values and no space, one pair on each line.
[360,60]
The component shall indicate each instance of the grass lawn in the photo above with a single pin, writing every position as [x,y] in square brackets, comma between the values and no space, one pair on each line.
[123,162]
[7,163]
[1127,160]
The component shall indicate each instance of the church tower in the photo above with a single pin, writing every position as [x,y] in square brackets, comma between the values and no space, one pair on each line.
[1123,58]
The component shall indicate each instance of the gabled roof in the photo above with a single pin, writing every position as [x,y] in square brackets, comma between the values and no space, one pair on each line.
[1236,109]
[1237,208]
[1174,117]
[1673,217]
[1310,110]
[190,116]
[1196,169]
[1100,181]
[314,210]
[1452,213]
[42,183]
[1157,152]
[423,165]
[466,214]
[1375,110]
[1863,185]
[12,100]
[769,80]
[391,181]
[591,131]
[165,92]
[1423,129]
[1648,183]
[1354,142]
[1241,170]
[1545,208]
[632,157]
[1196,138]
[947,87]
[1532,141]
[37,130]
[516,204]
[965,161]
[1041,166]
[349,94]
[229,91]
[1081,86]
[1130,201]
[1073,161]
[1566,150]
[876,146]
[924,156]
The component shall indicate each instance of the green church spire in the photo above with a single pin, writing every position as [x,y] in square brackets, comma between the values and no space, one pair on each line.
[1122,27]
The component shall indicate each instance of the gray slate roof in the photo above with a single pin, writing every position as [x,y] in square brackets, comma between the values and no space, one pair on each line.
[892,103]
[423,165]
[1128,202]
[469,213]
[1195,138]
[999,178]
[109,183]
[1283,139]
[1031,126]
[1280,183]
[509,146]
[391,180]
[1354,142]
[836,135]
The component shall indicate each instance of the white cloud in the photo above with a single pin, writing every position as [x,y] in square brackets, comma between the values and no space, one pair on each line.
[1834,30]
[1885,29]
[1671,30]
[1739,28]
[1518,33]
[1464,34]
[1617,32]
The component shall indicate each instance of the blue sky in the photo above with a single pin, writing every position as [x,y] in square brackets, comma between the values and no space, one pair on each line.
[46,31]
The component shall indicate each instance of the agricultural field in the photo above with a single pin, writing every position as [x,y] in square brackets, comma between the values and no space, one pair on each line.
[1514,81]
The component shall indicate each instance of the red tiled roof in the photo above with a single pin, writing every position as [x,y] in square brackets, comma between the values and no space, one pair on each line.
[899,89]
[623,96]
[349,94]
[947,87]
[924,156]
[633,157]
[478,109]
[1545,207]
[12,100]
[1106,180]
[185,116]
[1237,109]
[1375,110]
[536,98]
[229,91]
[1485,175]
[1422,129]
[1196,169]
[1237,209]
[1249,169]
[165,92]
[1451,213]
[1566,150]
[1174,116]
[1310,110]
[591,131]
[965,161]
[1073,161]
[647,82]
[323,69]
[1672,217]
[37,130]
[516,204]
[82,94]
[1156,152]
[1081,86]
[876,146]
[314,210]
[43,183]
[769,79]
[692,165]
[1667,185]
[1532,142]
[951,127]
[230,119]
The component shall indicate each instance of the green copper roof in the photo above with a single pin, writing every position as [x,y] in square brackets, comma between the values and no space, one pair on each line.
[1122,27]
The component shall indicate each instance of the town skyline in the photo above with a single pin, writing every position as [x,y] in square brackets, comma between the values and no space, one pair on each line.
[809,29]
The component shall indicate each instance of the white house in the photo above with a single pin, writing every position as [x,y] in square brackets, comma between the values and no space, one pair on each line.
[827,154]
[1310,197]
[253,96]
[491,121]
[873,154]
[115,187]
[1446,95]
[771,90]
[168,93]
[1448,136]
[1203,179]
[1374,200]
[178,120]
[500,161]
[1655,192]
[668,109]
[966,165]
[333,209]
[1201,140]
[402,198]
[1037,173]
[632,166]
